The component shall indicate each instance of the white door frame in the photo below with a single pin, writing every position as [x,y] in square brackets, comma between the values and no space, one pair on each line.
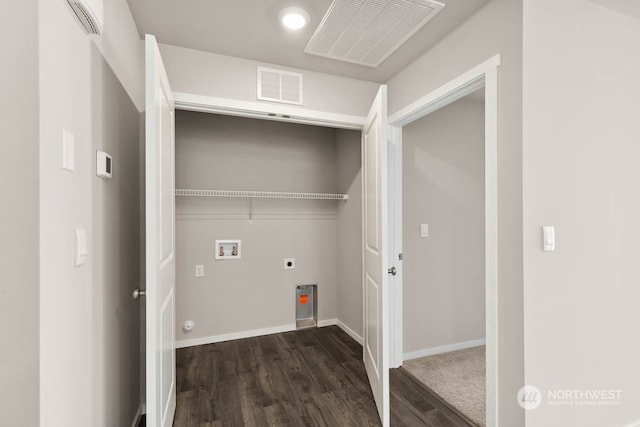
[484,75]
[394,180]
[261,110]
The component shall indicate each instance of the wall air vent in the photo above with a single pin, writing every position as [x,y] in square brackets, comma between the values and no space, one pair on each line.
[89,13]
[279,86]
[367,32]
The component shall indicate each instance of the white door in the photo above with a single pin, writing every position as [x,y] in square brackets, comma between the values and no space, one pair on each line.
[160,259]
[376,282]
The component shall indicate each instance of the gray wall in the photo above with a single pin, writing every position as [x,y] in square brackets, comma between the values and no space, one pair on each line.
[19,294]
[88,332]
[123,49]
[255,292]
[443,186]
[66,292]
[210,74]
[496,28]
[581,174]
[627,7]
[117,261]
[349,176]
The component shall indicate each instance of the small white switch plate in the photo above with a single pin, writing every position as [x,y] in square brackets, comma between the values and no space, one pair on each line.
[68,151]
[80,246]
[424,230]
[289,263]
[199,270]
[548,238]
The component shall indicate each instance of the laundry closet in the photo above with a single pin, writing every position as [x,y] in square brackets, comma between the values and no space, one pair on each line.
[241,250]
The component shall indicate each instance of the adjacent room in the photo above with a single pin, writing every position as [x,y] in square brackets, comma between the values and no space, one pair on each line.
[443,256]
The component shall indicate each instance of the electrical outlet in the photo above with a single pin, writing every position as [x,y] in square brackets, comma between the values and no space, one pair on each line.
[199,270]
[289,263]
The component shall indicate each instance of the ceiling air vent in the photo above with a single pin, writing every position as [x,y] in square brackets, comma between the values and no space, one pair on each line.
[279,86]
[367,32]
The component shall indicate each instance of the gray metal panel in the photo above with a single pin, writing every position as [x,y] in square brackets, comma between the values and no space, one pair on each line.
[306,306]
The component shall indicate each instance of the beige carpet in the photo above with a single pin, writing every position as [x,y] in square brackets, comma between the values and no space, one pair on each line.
[458,377]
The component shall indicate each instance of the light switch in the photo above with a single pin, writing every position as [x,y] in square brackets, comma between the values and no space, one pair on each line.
[68,151]
[424,230]
[199,270]
[80,246]
[548,238]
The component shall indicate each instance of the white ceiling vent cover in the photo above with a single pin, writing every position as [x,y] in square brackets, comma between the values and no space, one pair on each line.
[89,13]
[367,32]
[279,86]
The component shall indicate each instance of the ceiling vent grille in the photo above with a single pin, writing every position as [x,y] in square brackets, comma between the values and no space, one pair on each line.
[279,86]
[367,32]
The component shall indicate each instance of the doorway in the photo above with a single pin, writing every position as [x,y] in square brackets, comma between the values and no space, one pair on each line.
[482,76]
[160,189]
[443,221]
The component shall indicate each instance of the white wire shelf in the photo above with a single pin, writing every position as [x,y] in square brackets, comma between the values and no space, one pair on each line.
[260,194]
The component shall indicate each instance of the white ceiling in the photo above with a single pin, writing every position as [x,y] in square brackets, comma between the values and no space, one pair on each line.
[250,29]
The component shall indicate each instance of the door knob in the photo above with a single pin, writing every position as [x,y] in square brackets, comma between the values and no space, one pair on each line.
[392,271]
[137,293]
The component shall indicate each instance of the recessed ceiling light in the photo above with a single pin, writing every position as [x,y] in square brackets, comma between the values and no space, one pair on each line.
[294,18]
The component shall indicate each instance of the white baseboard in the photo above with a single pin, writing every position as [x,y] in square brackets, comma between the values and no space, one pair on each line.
[328,322]
[443,349]
[137,416]
[350,332]
[235,336]
[212,339]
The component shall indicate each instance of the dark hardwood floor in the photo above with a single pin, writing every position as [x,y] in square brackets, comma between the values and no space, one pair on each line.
[314,377]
